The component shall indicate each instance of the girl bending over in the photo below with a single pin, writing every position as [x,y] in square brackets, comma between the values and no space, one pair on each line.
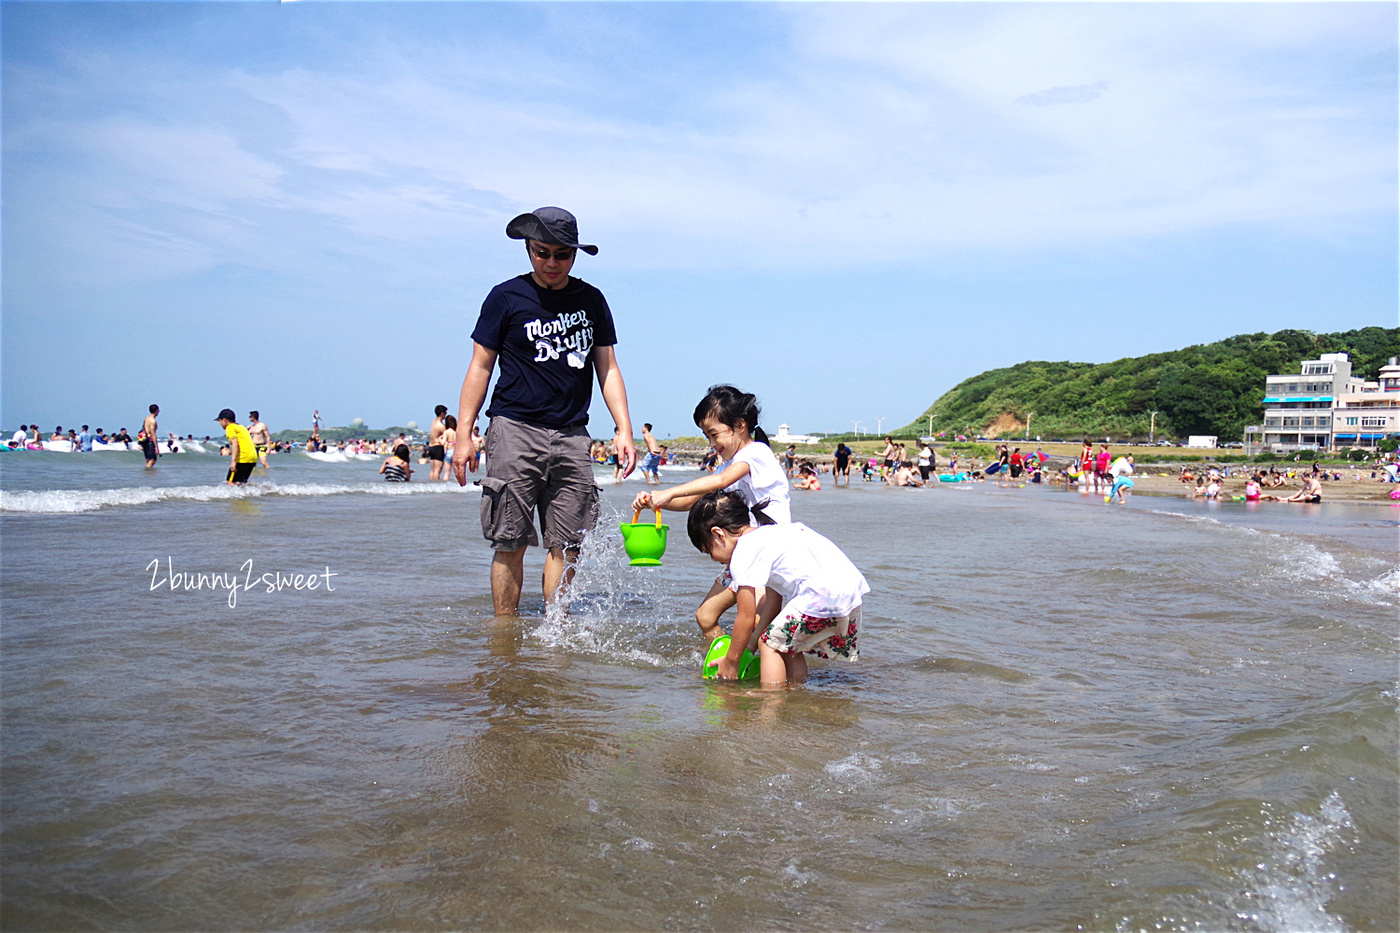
[797,594]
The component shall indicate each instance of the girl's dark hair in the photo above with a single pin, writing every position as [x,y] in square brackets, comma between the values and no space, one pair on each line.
[721,509]
[450,422]
[403,453]
[728,406]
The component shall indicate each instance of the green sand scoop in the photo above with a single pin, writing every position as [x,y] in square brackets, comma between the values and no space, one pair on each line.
[644,542]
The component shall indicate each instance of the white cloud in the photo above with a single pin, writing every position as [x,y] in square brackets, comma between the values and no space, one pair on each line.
[996,127]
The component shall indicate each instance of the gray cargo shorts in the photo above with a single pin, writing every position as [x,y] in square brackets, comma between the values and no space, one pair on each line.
[531,468]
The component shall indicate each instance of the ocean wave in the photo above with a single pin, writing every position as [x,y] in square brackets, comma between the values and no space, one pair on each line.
[1304,562]
[67,501]
[1310,565]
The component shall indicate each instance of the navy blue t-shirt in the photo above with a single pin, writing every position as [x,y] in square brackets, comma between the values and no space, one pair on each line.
[544,340]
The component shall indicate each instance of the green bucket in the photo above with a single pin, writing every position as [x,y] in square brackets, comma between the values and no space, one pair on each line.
[645,542]
[748,661]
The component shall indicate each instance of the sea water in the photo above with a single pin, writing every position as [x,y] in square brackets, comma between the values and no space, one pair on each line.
[1168,715]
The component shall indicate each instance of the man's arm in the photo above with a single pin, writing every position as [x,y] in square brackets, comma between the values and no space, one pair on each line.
[615,395]
[469,405]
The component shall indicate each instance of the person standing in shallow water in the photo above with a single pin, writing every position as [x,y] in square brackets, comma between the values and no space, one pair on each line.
[260,435]
[437,448]
[148,437]
[651,463]
[550,333]
[243,456]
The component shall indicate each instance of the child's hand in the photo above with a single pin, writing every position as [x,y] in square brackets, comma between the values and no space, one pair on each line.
[643,501]
[726,669]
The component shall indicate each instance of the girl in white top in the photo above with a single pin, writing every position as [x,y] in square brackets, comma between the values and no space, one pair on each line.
[729,419]
[797,593]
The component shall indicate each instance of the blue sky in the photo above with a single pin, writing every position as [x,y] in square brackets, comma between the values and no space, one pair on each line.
[845,208]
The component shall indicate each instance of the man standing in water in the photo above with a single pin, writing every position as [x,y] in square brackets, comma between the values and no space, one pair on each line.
[437,451]
[550,333]
[261,438]
[148,437]
[651,463]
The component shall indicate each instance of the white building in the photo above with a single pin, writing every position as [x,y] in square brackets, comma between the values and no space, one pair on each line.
[1325,407]
[1363,419]
[783,437]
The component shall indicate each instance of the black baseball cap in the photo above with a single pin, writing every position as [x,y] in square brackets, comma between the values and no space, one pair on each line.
[227,415]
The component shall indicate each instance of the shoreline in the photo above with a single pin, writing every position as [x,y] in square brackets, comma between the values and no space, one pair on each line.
[1347,489]
[1355,485]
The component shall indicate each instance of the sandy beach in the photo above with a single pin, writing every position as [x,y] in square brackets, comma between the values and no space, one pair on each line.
[1356,483]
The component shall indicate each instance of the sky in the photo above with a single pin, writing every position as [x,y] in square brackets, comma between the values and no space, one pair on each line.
[844,208]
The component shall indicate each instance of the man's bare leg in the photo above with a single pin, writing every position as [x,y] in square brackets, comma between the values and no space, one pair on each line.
[558,570]
[507,579]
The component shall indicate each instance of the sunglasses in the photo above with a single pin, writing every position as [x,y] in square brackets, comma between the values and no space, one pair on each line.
[544,255]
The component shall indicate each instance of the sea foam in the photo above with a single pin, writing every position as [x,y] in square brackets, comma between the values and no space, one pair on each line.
[59,501]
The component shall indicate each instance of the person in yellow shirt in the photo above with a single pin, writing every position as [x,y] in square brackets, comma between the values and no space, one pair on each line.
[243,456]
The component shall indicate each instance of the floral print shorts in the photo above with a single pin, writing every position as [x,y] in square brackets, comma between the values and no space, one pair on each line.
[793,632]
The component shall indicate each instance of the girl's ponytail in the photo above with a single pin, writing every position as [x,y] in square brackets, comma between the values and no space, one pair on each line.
[761,515]
[760,435]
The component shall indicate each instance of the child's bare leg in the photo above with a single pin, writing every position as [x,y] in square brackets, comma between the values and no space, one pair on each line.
[769,605]
[796,667]
[772,666]
[718,601]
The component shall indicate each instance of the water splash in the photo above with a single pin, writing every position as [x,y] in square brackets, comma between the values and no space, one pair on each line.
[616,611]
[1289,889]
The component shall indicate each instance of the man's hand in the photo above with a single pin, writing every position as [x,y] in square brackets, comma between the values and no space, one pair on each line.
[461,462]
[627,456]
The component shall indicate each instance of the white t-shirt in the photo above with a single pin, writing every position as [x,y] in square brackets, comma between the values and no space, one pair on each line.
[925,453]
[765,480]
[813,575]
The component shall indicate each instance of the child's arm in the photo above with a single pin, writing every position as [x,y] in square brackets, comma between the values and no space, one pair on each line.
[744,622]
[681,498]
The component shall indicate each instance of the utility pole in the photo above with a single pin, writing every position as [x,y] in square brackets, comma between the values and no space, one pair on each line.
[1029,416]
[1152,431]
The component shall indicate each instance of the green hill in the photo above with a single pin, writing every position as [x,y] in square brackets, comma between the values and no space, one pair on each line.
[1214,388]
